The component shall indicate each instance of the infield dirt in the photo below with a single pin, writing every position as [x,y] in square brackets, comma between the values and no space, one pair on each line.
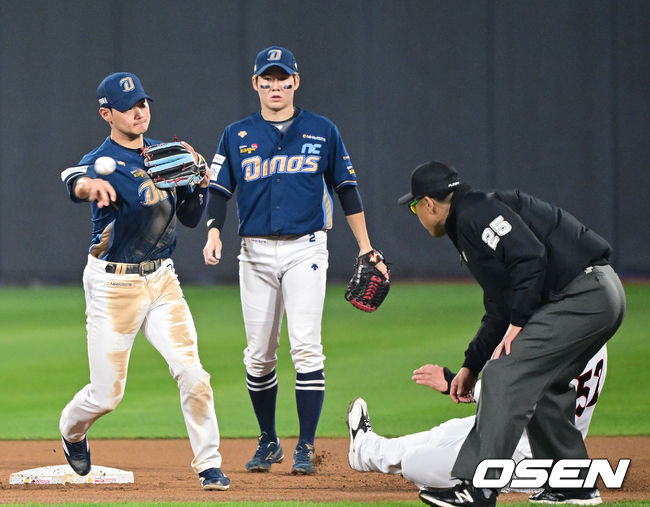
[162,473]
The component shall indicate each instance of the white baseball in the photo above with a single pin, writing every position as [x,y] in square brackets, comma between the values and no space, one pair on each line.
[104,166]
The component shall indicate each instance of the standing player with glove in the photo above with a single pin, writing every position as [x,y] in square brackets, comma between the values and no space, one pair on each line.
[284,163]
[129,281]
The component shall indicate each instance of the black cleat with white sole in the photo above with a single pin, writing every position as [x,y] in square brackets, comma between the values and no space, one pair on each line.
[567,496]
[78,455]
[461,494]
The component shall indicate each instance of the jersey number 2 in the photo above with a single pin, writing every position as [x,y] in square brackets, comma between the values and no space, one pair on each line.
[498,227]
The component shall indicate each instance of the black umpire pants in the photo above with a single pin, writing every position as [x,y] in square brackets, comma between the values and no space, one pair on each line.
[529,388]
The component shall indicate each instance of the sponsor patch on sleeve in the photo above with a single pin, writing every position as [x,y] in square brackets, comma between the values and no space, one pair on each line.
[215,167]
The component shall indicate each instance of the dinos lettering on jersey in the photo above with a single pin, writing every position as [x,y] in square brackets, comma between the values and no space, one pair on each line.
[255,168]
[150,194]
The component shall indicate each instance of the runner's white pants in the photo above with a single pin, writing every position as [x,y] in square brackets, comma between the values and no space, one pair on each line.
[426,458]
[117,307]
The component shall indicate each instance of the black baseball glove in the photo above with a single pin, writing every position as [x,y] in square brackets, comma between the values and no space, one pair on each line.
[172,165]
[368,286]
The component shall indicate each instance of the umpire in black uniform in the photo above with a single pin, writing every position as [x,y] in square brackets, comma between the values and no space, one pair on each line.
[551,301]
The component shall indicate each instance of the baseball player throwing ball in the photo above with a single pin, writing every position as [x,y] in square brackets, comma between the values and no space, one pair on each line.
[284,163]
[129,280]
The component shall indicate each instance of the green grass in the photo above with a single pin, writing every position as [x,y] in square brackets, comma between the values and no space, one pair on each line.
[44,362]
[246,504]
[242,504]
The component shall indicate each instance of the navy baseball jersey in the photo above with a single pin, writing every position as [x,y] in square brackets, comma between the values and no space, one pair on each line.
[141,225]
[284,180]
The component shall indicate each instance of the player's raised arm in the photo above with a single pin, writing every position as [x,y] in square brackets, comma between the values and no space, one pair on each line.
[82,185]
[94,190]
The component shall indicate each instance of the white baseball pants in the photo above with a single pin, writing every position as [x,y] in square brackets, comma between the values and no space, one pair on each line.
[277,274]
[426,458]
[117,307]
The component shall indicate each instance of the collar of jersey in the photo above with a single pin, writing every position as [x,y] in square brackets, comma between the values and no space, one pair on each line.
[146,142]
[296,115]
[450,223]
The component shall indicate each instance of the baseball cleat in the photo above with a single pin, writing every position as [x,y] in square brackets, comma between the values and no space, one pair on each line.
[78,455]
[567,496]
[214,479]
[461,494]
[358,422]
[302,459]
[268,452]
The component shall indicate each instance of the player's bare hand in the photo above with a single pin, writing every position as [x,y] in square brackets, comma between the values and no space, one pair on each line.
[462,387]
[506,342]
[383,269]
[198,160]
[431,375]
[212,248]
[95,190]
[194,154]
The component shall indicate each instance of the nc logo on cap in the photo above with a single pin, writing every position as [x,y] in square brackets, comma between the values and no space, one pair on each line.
[127,84]
[274,55]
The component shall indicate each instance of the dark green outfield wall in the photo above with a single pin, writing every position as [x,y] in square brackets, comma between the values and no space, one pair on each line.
[550,96]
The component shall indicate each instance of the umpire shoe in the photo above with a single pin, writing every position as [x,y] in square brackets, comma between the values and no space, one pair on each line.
[568,496]
[303,458]
[268,452]
[78,455]
[358,424]
[214,479]
[461,494]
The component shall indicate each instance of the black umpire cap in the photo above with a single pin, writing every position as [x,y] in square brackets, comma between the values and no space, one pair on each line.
[432,179]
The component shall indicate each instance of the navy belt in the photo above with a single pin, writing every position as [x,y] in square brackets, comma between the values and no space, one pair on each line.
[142,269]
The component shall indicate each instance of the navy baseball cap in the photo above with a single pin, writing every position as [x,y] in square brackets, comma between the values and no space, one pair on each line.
[120,91]
[432,179]
[275,56]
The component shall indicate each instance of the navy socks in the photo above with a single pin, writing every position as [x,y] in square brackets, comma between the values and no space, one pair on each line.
[310,393]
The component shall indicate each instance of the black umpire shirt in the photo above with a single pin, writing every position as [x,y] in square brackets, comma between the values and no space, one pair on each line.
[521,250]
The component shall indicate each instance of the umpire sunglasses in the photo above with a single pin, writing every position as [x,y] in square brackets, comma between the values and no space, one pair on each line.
[414,203]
